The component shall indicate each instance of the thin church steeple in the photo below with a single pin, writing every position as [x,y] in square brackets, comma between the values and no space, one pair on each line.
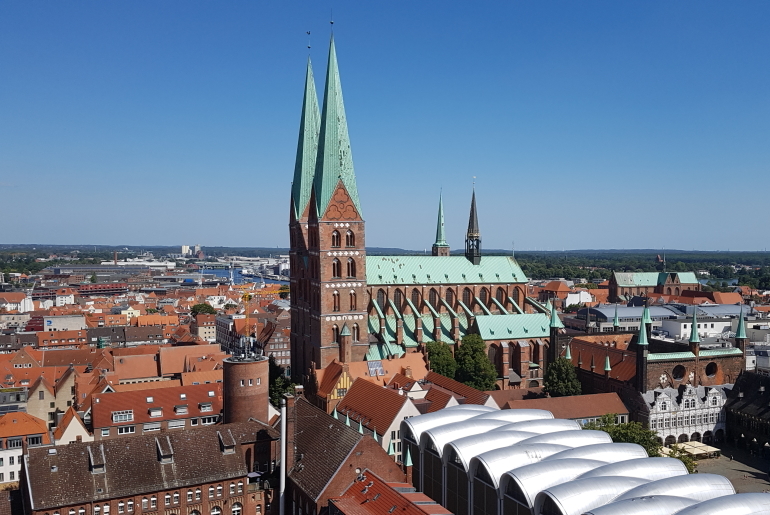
[440,247]
[307,146]
[473,236]
[335,160]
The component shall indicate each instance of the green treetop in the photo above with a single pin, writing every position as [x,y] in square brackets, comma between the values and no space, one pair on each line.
[561,379]
[473,365]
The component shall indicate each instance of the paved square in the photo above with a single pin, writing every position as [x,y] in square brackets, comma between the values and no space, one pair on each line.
[747,473]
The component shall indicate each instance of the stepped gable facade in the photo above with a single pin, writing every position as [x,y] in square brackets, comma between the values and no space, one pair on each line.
[350,307]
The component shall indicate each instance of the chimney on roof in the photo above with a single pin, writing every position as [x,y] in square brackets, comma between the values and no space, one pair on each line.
[96,460]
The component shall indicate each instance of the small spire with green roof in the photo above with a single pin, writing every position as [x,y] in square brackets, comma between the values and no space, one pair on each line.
[440,247]
[607,367]
[556,322]
[616,320]
[360,427]
[347,419]
[642,334]
[694,336]
[568,353]
[646,318]
[374,435]
[740,332]
[391,451]
[334,414]
[407,458]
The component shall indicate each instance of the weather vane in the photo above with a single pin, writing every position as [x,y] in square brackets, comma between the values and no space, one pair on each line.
[308,38]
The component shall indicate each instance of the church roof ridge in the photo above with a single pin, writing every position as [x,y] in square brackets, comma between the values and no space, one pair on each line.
[419,270]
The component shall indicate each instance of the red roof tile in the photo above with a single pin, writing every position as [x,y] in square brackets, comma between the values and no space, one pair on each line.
[374,406]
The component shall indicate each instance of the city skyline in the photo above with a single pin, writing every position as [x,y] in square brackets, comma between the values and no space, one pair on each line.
[589,127]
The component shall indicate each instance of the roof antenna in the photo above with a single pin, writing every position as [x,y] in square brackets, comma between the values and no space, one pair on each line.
[308,39]
[331,18]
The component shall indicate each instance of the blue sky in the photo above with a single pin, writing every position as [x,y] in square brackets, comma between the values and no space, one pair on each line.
[587,124]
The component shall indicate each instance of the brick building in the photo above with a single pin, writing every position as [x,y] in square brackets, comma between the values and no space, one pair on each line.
[348,306]
[202,471]
[625,285]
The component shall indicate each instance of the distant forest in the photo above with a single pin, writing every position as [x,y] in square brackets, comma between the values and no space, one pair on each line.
[588,264]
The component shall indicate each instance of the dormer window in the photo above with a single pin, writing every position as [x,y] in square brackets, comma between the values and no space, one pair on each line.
[156,412]
[211,394]
[183,396]
[150,400]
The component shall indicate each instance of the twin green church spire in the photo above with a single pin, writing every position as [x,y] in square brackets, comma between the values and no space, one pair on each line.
[323,150]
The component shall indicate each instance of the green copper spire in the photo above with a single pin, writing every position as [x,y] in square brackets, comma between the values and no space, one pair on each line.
[407,458]
[616,320]
[740,331]
[556,322]
[345,330]
[646,319]
[307,146]
[694,337]
[334,162]
[334,414]
[440,238]
[360,427]
[568,353]
[347,419]
[374,435]
[642,334]
[607,367]
[391,451]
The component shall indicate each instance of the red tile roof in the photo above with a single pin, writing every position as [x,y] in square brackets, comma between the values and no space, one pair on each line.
[471,395]
[374,406]
[22,424]
[373,496]
[575,407]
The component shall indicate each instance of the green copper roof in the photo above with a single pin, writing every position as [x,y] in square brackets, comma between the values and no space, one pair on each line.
[440,238]
[556,322]
[505,327]
[345,330]
[694,337]
[307,146]
[335,160]
[568,353]
[642,334]
[616,320]
[666,356]
[408,458]
[740,332]
[419,270]
[713,353]
[651,279]
[607,367]
[334,414]
[391,452]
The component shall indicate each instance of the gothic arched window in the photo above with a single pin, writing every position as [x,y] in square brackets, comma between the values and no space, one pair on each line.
[484,296]
[450,297]
[467,296]
[335,239]
[336,301]
[353,301]
[398,299]
[501,296]
[381,298]
[336,268]
[416,298]
[335,333]
[355,333]
[433,297]
[351,267]
[517,297]
[350,239]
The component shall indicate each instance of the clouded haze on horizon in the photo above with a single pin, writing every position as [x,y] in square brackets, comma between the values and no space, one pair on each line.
[587,124]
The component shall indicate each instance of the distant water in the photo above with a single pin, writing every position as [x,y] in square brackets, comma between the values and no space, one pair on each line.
[239,279]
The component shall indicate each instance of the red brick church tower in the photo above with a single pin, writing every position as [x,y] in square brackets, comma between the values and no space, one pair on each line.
[328,256]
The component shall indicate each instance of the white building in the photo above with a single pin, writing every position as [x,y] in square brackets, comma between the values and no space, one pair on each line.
[688,414]
[681,328]
[578,297]
[16,301]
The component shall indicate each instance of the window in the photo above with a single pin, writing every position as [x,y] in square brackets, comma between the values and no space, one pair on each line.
[206,406]
[336,301]
[11,460]
[416,298]
[240,487]
[41,395]
[350,239]
[335,333]
[153,502]
[336,268]
[484,296]
[351,267]
[150,399]
[211,492]
[106,509]
[216,510]
[467,295]
[180,410]
[123,416]
[189,495]
[97,509]
[353,301]
[237,509]
[176,497]
[167,499]
[81,511]
[12,476]
[207,421]
[125,430]
[130,505]
[34,440]
[156,412]
[14,443]
[121,507]
[219,490]
[197,494]
[335,239]
[355,333]
[232,488]
[144,503]
[211,393]
[71,512]
[450,296]
[105,431]
[176,424]
[183,396]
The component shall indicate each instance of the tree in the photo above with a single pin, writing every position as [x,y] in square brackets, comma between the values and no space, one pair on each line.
[441,359]
[473,365]
[561,379]
[202,308]
[283,291]
[677,453]
[230,305]
[93,278]
[627,432]
[279,383]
